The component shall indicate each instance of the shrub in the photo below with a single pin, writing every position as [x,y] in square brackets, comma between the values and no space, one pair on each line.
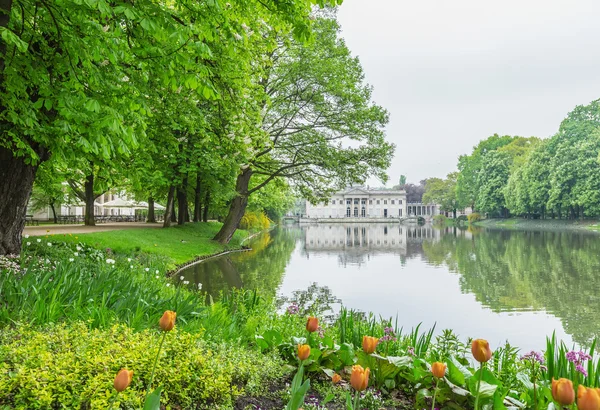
[71,366]
[439,220]
[474,217]
[462,218]
[255,221]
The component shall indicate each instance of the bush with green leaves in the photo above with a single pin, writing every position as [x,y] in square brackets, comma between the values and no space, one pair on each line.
[474,217]
[440,220]
[73,366]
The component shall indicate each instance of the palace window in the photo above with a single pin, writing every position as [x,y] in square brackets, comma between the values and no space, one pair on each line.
[393,202]
[385,201]
[363,212]
[370,202]
[348,212]
[348,202]
[355,201]
[400,201]
[363,201]
[378,202]
[356,211]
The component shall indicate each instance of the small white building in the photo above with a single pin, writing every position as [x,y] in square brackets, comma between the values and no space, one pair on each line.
[361,202]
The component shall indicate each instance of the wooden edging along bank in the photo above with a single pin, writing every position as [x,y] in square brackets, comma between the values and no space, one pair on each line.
[202,258]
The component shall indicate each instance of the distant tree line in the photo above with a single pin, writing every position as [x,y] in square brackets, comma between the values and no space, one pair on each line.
[558,177]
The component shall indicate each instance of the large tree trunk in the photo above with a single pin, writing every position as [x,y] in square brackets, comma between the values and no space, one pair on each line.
[169,210]
[182,202]
[197,200]
[53,212]
[206,203]
[16,182]
[151,215]
[236,209]
[89,200]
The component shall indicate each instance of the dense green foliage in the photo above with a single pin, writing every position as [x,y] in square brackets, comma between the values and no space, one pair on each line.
[557,177]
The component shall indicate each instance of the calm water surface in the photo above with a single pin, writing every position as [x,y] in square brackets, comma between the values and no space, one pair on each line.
[499,285]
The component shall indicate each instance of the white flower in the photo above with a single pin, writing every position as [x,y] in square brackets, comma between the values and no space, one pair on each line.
[47,261]
[39,240]
[199,286]
[181,278]
[71,259]
[49,244]
[28,243]
[75,254]
[147,269]
[237,36]
[131,266]
[245,27]
[186,282]
[26,236]
[168,284]
[110,261]
[157,276]
[128,259]
[156,271]
[78,248]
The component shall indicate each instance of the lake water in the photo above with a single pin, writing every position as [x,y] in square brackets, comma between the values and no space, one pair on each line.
[499,285]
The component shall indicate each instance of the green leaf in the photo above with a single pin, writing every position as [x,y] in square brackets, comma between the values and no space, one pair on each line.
[524,378]
[153,400]
[13,39]
[346,354]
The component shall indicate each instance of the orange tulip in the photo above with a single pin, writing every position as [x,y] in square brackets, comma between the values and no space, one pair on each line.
[312,324]
[359,379]
[123,379]
[303,352]
[438,369]
[336,378]
[167,321]
[370,344]
[587,399]
[562,391]
[481,350]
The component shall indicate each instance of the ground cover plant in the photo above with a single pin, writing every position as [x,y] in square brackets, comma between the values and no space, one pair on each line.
[73,316]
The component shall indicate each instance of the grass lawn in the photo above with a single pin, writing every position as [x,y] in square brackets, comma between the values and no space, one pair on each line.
[179,243]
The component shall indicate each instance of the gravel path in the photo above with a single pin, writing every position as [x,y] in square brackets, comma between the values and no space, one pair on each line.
[79,229]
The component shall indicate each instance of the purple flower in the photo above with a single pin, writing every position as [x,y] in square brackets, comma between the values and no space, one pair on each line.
[534,356]
[581,370]
[293,309]
[577,358]
[411,351]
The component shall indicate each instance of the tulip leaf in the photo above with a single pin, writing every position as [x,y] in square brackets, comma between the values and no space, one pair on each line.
[153,400]
[399,361]
[261,342]
[346,354]
[485,390]
[328,372]
[273,337]
[524,378]
[456,369]
[457,389]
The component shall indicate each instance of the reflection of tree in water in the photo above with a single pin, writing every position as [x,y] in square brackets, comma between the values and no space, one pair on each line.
[260,268]
[512,270]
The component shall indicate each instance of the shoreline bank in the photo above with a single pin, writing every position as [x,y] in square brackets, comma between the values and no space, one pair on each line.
[587,225]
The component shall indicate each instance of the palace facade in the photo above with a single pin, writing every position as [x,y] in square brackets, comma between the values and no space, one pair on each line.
[360,202]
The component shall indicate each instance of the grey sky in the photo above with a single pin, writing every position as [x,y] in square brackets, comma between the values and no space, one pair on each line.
[454,72]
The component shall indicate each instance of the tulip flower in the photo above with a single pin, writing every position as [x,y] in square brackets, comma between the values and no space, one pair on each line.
[167,321]
[359,380]
[336,378]
[312,324]
[123,379]
[562,391]
[369,344]
[303,352]
[481,350]
[587,398]
[482,353]
[438,369]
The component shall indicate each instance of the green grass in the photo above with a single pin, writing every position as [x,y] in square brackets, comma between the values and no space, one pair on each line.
[179,243]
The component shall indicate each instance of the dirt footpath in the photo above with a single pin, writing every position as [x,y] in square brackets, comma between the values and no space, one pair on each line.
[78,229]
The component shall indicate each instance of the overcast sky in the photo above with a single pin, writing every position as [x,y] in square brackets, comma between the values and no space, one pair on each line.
[454,72]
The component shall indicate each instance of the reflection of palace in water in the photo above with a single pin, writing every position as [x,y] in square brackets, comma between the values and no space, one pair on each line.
[355,241]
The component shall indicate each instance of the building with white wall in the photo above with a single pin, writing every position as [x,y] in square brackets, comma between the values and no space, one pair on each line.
[361,202]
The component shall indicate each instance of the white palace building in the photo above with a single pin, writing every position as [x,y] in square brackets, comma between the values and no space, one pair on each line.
[365,203]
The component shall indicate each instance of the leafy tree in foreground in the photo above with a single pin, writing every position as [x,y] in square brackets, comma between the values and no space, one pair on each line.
[323,132]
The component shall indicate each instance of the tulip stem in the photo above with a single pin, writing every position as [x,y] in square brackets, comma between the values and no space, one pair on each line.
[435,393]
[357,400]
[479,385]
[155,362]
[112,400]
